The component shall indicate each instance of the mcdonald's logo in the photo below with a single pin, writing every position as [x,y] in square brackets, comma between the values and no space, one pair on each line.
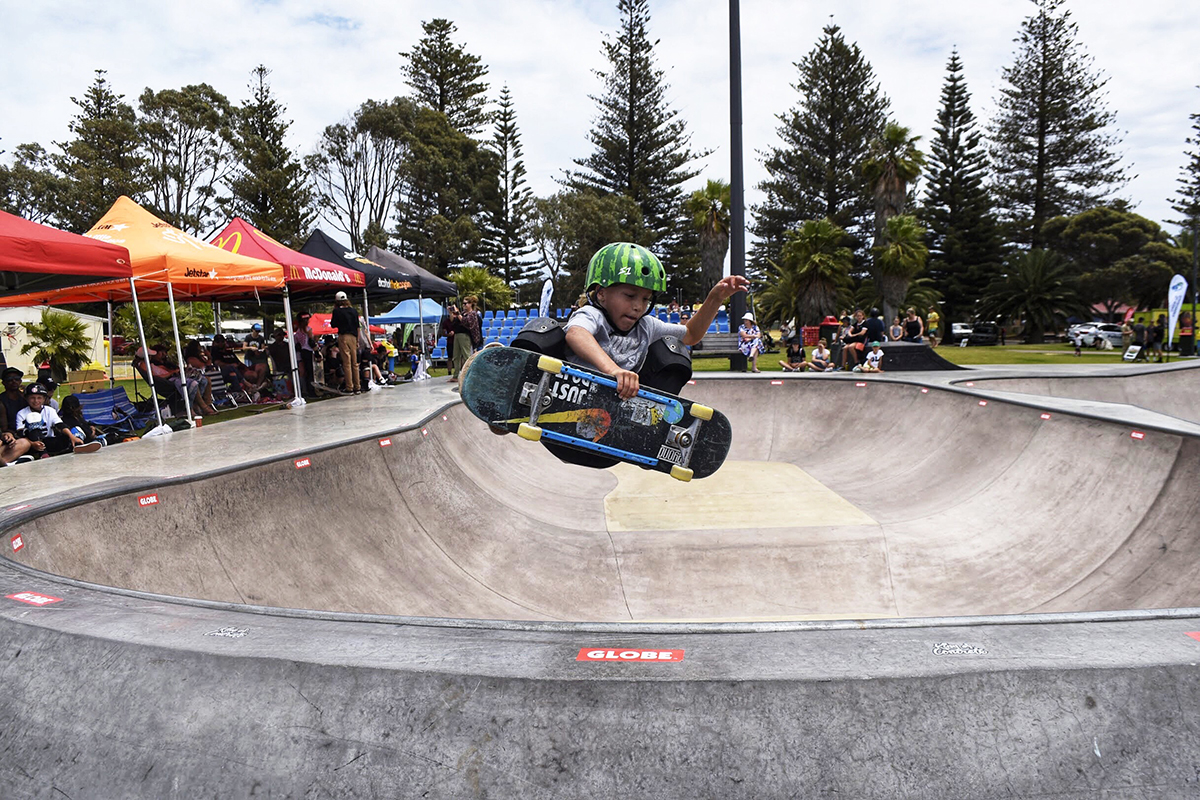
[234,238]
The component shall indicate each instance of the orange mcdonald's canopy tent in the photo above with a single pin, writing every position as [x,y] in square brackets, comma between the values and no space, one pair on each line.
[161,253]
[37,257]
[304,274]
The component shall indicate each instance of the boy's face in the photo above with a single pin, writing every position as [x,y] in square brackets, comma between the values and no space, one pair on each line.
[36,401]
[625,303]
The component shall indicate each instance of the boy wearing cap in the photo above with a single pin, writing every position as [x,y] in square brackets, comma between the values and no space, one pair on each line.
[44,428]
[345,319]
[874,360]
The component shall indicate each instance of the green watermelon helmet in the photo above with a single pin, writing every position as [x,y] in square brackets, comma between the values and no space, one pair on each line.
[622,262]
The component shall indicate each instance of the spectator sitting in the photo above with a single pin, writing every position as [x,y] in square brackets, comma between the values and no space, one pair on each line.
[72,414]
[224,359]
[13,399]
[750,340]
[855,341]
[197,362]
[44,428]
[874,360]
[12,447]
[795,361]
[281,356]
[822,359]
[255,336]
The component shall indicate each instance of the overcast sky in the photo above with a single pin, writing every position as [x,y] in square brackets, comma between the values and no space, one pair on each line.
[327,57]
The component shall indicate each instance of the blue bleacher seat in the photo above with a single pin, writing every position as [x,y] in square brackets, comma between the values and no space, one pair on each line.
[662,315]
[441,343]
[506,340]
[488,315]
[438,354]
[675,317]
[712,328]
[511,314]
[722,315]
[722,327]
[522,314]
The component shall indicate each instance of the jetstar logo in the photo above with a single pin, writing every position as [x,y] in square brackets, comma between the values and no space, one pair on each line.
[657,656]
[192,272]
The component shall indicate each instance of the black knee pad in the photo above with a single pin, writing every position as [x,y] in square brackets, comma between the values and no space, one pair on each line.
[542,335]
[668,365]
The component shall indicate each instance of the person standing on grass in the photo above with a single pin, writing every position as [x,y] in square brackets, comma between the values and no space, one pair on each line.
[345,319]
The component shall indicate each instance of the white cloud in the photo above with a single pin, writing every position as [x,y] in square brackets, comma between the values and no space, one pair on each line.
[328,57]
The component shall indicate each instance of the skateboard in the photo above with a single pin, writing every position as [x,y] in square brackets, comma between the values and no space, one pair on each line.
[541,398]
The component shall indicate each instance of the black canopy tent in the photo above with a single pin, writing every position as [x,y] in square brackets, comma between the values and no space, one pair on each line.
[427,284]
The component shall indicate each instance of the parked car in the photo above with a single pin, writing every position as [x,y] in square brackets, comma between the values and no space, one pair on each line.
[1090,335]
[984,333]
[958,332]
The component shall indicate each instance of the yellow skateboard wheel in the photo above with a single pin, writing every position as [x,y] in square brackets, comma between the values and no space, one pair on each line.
[681,473]
[550,364]
[530,432]
[701,412]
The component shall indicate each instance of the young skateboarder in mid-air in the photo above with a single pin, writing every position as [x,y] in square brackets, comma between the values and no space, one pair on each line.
[615,333]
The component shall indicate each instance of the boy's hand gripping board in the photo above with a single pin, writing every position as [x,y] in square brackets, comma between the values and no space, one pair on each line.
[542,398]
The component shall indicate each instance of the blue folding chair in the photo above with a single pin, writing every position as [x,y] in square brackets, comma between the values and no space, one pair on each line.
[113,409]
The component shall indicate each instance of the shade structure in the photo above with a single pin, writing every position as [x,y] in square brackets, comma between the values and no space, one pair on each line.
[321,327]
[159,254]
[424,282]
[411,312]
[304,274]
[382,280]
[37,258]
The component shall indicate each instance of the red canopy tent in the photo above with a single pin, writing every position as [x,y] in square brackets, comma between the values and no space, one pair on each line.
[302,273]
[36,258]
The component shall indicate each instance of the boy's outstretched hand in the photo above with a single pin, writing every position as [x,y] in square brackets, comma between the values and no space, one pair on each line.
[728,287]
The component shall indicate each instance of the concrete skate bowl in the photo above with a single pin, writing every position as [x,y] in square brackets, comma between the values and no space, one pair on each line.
[409,619]
[1173,390]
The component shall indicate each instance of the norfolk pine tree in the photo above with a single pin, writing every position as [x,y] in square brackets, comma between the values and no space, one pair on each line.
[963,237]
[641,145]
[510,251]
[1052,151]
[446,78]
[269,187]
[103,161]
[1187,198]
[817,172]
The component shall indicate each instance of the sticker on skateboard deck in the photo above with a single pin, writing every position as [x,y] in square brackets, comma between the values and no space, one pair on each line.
[544,399]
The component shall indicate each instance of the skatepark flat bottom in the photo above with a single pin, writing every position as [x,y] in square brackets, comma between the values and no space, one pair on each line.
[895,588]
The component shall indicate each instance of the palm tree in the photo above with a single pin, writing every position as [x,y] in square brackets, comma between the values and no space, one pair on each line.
[812,277]
[492,291]
[1034,290]
[60,339]
[894,162]
[709,209]
[898,260]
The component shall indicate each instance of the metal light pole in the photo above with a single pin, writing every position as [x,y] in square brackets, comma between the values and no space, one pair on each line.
[737,211]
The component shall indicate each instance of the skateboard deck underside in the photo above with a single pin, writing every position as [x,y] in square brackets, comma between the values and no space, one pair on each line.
[502,383]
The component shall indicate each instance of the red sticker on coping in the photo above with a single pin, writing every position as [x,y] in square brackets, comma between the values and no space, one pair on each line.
[924,391]
[983,402]
[630,656]
[424,431]
[969,383]
[1137,435]
[385,442]
[1045,416]
[301,463]
[445,418]
[860,384]
[691,383]
[777,383]
[148,500]
[33,598]
[17,542]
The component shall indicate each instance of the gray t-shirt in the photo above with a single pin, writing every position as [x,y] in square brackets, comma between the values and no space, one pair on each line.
[626,351]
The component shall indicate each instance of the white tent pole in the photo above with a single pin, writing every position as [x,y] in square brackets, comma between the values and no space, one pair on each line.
[110,345]
[367,313]
[137,311]
[421,316]
[297,399]
[187,401]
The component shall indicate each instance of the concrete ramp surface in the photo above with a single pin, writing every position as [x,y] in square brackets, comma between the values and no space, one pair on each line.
[893,589]
[838,500]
